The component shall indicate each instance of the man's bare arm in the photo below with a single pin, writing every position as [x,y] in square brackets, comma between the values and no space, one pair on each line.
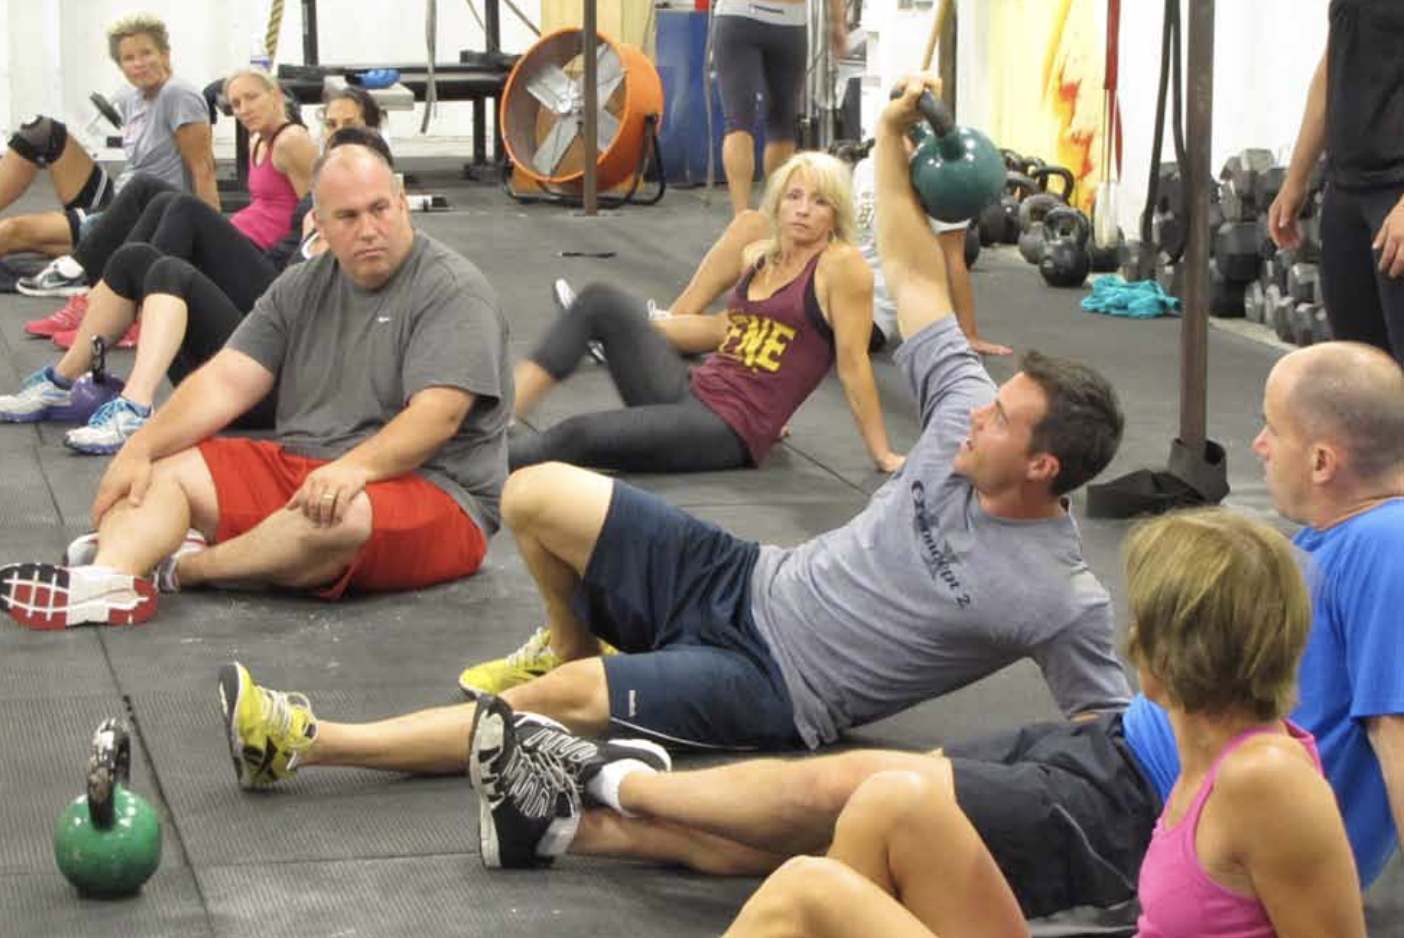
[912,262]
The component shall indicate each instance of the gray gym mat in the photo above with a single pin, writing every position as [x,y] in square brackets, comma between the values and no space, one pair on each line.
[422,640]
[46,904]
[73,477]
[322,814]
[454,895]
[49,665]
[25,499]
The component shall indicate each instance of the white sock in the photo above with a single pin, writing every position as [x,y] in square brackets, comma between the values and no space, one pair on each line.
[604,787]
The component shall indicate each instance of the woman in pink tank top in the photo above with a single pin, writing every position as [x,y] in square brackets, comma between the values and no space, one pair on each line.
[1250,843]
[281,154]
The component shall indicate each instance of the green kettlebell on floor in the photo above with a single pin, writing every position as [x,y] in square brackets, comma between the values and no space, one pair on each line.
[956,171]
[108,841]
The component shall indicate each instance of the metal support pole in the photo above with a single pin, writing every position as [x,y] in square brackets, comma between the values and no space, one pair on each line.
[826,76]
[309,33]
[492,28]
[1194,329]
[591,135]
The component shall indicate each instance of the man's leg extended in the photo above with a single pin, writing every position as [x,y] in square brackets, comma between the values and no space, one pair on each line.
[435,741]
[781,806]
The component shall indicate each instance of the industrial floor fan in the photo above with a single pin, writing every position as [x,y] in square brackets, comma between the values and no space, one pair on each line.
[543,118]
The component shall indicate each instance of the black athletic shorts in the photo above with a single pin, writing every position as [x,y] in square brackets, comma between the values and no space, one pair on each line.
[1064,807]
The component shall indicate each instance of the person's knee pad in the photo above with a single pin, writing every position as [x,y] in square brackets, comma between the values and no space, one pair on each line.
[40,140]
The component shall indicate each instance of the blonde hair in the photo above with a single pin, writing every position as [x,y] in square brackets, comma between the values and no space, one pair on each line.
[137,24]
[832,178]
[250,71]
[1219,611]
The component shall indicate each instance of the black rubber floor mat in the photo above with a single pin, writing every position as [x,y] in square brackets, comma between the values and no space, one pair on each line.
[46,904]
[321,814]
[454,895]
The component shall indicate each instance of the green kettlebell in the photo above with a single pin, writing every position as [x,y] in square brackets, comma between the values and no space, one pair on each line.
[108,841]
[956,171]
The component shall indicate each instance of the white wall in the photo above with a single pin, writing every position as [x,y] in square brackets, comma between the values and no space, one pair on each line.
[54,52]
[1265,52]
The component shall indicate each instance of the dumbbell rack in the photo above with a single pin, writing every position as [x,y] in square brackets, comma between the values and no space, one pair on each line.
[1250,276]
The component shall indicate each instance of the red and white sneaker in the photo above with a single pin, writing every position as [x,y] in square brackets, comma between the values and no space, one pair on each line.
[129,338]
[65,319]
[46,596]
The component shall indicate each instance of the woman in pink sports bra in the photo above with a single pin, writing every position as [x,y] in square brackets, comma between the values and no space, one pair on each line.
[1250,843]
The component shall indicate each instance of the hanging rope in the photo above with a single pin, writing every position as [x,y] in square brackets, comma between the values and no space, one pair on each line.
[472,8]
[522,16]
[275,27]
[431,51]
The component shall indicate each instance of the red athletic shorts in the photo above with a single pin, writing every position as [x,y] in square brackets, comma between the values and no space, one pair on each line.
[419,534]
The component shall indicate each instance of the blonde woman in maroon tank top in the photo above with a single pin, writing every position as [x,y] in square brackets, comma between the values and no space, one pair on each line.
[799,303]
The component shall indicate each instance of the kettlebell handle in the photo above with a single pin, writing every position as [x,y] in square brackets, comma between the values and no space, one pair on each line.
[110,763]
[933,109]
[1042,173]
[99,366]
[1054,225]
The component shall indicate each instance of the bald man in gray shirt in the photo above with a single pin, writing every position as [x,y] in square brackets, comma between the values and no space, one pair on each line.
[389,354]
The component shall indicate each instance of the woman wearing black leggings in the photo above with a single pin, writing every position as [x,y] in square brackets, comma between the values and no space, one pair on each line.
[800,303]
[193,284]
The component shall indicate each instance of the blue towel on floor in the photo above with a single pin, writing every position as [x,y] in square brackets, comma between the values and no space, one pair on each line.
[1143,299]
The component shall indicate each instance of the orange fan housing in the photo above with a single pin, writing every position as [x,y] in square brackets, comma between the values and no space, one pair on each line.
[543,108]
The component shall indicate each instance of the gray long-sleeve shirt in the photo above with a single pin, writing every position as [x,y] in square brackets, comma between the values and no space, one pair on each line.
[923,592]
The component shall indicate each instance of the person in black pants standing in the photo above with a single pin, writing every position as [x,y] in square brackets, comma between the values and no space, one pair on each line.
[1355,112]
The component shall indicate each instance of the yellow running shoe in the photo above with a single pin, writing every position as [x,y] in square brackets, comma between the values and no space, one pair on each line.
[532,660]
[268,729]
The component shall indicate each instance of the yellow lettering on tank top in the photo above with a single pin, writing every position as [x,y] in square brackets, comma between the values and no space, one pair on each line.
[757,342]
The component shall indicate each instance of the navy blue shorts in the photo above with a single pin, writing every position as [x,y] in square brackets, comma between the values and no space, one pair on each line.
[673,593]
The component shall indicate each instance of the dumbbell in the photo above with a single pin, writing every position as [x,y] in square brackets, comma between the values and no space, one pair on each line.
[1282,263]
[1270,183]
[1169,276]
[1235,247]
[1304,323]
[1225,295]
[1302,282]
[1253,299]
[1168,230]
[1281,310]
[1321,326]
[1240,175]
